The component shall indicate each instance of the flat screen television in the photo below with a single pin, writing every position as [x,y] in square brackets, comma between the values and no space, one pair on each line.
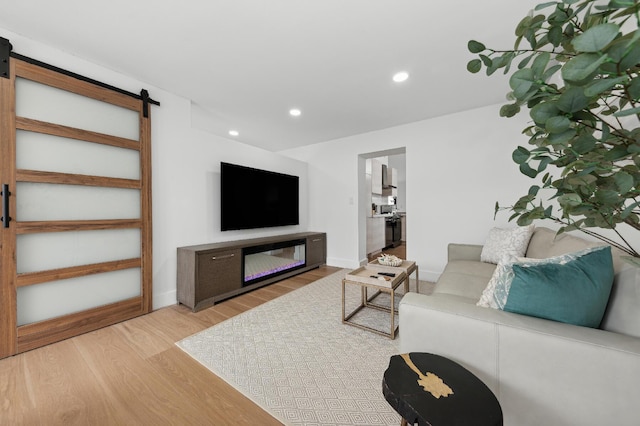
[253,198]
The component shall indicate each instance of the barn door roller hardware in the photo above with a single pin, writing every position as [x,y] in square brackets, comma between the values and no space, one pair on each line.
[5,53]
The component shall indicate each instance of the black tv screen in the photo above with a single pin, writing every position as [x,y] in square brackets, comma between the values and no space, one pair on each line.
[253,198]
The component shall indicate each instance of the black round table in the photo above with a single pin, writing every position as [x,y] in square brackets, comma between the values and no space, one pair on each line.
[432,390]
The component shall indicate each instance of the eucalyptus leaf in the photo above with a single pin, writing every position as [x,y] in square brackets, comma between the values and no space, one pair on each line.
[602,85]
[533,190]
[526,170]
[562,138]
[548,212]
[486,60]
[626,112]
[542,166]
[634,89]
[572,100]
[616,153]
[520,155]
[624,182]
[540,64]
[474,65]
[629,209]
[584,144]
[550,72]
[542,112]
[523,25]
[621,3]
[596,38]
[544,5]
[523,63]
[582,67]
[521,81]
[569,200]
[557,124]
[475,46]
[509,110]
[555,35]
[607,196]
[631,59]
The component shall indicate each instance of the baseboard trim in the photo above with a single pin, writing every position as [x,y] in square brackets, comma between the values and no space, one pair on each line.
[165,299]
[342,263]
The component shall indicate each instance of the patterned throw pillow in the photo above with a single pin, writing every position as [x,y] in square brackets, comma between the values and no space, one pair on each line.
[502,276]
[503,241]
[497,290]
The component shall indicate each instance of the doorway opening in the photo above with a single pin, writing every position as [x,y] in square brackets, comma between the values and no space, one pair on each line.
[382,201]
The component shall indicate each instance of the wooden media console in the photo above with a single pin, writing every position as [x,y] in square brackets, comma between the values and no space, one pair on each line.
[210,273]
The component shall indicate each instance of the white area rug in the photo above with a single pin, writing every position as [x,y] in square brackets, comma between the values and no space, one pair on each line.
[294,358]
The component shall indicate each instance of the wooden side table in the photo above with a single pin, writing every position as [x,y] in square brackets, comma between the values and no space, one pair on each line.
[367,277]
[429,389]
[408,267]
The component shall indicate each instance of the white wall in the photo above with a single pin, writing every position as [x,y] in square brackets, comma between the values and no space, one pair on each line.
[185,170]
[457,167]
[186,181]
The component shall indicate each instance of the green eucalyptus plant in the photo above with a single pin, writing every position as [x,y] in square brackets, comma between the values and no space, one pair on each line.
[577,70]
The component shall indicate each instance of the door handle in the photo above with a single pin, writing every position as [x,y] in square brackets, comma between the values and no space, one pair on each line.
[5,205]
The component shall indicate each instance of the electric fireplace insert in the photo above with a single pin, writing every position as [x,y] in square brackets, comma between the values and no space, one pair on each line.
[268,260]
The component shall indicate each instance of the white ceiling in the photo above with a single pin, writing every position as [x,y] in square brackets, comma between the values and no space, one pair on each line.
[245,63]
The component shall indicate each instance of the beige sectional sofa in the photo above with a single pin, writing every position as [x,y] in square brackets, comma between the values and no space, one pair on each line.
[543,372]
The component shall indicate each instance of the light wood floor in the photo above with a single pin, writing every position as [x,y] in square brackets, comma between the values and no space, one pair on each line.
[133,374]
[400,251]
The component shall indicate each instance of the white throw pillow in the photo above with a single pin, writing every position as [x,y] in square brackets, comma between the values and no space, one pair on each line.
[501,241]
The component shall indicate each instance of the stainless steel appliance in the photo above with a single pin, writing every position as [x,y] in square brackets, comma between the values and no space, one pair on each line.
[385,209]
[393,231]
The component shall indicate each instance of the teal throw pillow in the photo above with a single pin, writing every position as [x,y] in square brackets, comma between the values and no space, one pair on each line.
[576,292]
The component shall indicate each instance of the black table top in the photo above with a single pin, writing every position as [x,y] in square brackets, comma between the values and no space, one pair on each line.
[453,395]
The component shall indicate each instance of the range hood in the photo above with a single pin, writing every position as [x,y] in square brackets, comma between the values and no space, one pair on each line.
[386,179]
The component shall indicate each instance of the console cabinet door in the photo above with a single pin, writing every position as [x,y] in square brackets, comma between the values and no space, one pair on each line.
[219,272]
[316,250]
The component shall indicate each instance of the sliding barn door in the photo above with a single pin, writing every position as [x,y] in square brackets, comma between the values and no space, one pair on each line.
[76,195]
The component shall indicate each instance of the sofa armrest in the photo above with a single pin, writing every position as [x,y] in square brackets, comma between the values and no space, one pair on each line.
[535,367]
[463,252]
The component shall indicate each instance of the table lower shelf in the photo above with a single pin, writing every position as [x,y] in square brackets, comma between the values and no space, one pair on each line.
[363,278]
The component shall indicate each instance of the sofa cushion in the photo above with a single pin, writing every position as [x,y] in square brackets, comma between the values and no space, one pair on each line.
[466,278]
[503,241]
[575,292]
[545,243]
[623,312]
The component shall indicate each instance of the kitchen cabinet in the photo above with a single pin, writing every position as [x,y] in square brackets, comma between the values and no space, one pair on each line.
[375,234]
[403,227]
[376,177]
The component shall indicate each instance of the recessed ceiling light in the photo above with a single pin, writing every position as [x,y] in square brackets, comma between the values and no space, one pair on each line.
[234,132]
[295,112]
[400,76]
